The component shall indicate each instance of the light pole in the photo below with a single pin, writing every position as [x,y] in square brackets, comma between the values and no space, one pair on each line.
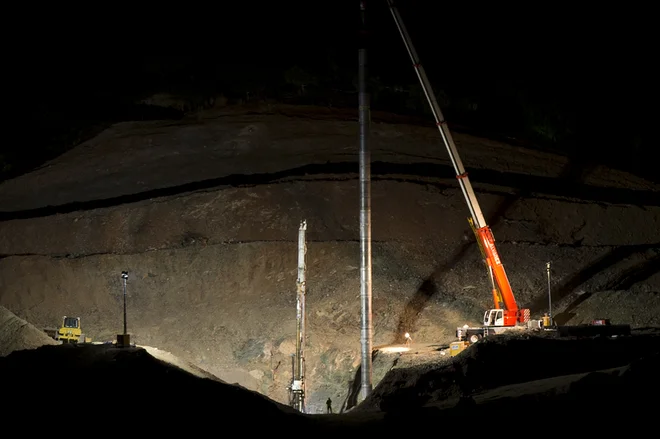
[124,339]
[124,276]
[547,268]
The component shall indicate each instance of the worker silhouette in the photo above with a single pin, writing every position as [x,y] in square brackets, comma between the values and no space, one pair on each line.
[328,403]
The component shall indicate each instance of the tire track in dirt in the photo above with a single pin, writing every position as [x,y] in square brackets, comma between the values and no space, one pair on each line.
[381,171]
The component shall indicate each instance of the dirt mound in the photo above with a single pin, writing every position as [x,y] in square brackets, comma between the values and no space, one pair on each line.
[204,214]
[16,334]
[567,400]
[103,380]
[501,361]
[610,392]
[105,385]
[169,358]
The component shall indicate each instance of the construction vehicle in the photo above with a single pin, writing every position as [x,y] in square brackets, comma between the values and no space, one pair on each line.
[506,314]
[69,332]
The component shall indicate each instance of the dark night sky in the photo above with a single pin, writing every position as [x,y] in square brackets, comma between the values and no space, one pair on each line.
[588,67]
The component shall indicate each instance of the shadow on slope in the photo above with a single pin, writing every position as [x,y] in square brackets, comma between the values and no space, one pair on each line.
[577,406]
[129,391]
[429,288]
[500,361]
[623,281]
[80,381]
[574,404]
[568,184]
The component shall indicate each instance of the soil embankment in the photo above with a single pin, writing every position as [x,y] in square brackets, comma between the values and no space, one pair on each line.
[204,215]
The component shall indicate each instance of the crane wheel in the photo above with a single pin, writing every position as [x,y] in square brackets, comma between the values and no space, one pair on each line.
[475,338]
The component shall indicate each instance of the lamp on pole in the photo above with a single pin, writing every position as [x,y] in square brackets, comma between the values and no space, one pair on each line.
[547,269]
[124,276]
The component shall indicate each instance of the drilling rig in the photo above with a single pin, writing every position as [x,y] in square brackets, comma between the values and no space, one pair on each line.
[297,387]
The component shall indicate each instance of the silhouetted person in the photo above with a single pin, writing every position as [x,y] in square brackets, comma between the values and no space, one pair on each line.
[328,403]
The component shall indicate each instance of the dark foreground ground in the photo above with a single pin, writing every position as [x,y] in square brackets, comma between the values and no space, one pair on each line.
[107,388]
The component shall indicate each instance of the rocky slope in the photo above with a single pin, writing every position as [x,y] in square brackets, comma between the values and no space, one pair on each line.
[490,379]
[16,334]
[204,214]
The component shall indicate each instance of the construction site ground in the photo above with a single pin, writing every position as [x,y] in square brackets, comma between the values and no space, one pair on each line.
[204,214]
[535,380]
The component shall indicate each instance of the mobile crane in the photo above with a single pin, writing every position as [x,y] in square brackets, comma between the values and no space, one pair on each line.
[506,314]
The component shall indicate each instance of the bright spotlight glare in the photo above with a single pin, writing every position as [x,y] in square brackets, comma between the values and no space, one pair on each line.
[407,335]
[394,349]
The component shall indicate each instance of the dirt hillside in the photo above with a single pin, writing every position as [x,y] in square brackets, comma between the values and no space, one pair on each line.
[16,334]
[507,360]
[204,214]
[157,397]
[148,393]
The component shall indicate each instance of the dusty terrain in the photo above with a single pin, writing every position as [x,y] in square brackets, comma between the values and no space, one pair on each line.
[533,379]
[17,334]
[505,366]
[204,214]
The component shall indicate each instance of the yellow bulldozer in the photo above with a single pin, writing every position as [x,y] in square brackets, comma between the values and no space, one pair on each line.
[69,332]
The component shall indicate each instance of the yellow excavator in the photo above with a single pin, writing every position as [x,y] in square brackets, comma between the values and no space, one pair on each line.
[69,332]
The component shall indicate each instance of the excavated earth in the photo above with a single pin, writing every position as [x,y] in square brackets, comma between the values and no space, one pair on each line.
[204,214]
[16,334]
[534,379]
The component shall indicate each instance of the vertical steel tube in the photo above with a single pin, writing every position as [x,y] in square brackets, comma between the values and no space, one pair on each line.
[366,340]
[299,376]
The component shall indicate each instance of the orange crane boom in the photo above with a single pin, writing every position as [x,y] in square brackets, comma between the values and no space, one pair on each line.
[502,292]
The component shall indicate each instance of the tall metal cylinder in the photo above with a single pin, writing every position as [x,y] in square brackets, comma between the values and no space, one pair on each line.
[366,337]
[298,385]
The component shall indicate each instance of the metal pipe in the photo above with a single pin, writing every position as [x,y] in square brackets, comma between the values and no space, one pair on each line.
[366,337]
[464,182]
[299,374]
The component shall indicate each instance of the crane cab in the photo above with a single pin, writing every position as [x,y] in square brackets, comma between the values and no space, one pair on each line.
[503,317]
[494,317]
[499,317]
